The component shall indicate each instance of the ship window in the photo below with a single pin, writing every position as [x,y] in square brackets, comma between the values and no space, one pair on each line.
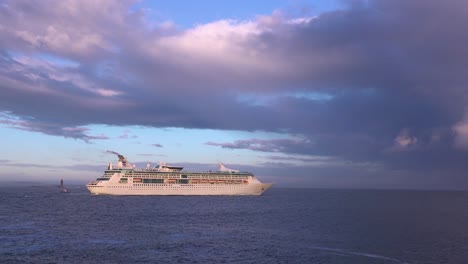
[184,176]
[102,179]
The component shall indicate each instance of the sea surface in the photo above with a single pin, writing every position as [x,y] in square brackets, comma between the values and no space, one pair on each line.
[42,225]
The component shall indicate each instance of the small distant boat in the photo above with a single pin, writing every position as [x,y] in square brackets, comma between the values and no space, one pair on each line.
[63,189]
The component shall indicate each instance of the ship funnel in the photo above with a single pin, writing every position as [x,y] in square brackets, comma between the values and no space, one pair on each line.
[123,162]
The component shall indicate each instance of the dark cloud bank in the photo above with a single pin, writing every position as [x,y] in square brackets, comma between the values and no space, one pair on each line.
[379,85]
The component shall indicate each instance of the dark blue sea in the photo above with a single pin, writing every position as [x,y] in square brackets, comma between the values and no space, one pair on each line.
[41,225]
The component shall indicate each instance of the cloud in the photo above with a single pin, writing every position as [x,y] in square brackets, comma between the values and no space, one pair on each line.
[271,145]
[404,141]
[461,134]
[317,160]
[50,129]
[386,67]
[126,134]
[157,145]
[70,28]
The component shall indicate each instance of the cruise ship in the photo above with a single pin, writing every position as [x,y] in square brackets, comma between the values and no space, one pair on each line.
[162,179]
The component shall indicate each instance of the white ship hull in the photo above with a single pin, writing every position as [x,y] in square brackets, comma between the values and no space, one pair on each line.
[181,189]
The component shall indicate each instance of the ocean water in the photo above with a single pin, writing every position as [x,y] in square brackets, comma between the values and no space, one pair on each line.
[41,225]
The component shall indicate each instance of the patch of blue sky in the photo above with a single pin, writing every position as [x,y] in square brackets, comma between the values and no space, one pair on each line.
[58,61]
[7,115]
[313,96]
[49,58]
[105,69]
[12,53]
[190,13]
[255,99]
[35,148]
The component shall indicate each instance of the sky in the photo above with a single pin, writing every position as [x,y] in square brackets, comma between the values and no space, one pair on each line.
[314,94]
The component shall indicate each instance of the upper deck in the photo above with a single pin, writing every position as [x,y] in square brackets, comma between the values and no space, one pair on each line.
[143,173]
[163,170]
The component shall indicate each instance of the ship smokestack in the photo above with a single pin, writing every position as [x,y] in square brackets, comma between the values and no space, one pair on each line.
[123,163]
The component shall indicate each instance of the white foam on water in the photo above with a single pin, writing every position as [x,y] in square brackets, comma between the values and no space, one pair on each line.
[344,252]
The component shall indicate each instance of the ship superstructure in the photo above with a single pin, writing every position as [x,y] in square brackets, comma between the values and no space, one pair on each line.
[163,179]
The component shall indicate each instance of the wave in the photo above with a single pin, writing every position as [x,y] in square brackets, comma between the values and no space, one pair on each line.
[345,252]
